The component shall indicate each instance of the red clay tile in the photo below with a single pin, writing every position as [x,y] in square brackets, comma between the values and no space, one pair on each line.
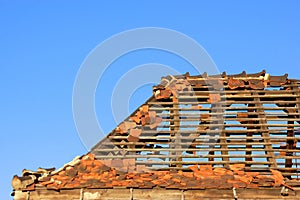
[91,173]
[237,167]
[235,83]
[194,168]
[219,171]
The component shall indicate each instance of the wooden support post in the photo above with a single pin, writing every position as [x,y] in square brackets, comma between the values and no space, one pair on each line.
[211,142]
[298,121]
[265,132]
[249,134]
[175,133]
[172,132]
[290,143]
[221,127]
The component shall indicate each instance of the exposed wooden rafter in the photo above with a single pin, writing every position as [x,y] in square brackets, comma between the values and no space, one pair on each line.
[216,120]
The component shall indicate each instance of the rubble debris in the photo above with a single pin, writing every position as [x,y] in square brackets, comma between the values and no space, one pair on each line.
[145,117]
[134,135]
[125,127]
[163,93]
[93,173]
[19,183]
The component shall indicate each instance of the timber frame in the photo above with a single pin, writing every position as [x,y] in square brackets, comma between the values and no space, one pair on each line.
[197,137]
[218,120]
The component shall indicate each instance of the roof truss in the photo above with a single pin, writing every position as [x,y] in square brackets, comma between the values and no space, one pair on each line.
[216,120]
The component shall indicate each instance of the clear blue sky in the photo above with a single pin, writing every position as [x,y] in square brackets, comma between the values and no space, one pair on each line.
[43,43]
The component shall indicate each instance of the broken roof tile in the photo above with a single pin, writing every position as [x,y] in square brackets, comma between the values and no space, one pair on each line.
[108,177]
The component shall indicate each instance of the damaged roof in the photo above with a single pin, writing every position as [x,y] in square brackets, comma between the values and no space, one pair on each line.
[194,132]
[217,120]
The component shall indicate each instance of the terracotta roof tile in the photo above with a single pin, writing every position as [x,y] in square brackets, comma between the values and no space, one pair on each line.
[91,173]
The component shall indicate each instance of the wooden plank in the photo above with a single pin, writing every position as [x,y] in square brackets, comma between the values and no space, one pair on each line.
[228,88]
[201,141]
[261,124]
[95,194]
[243,96]
[250,91]
[208,194]
[157,194]
[231,116]
[230,102]
[222,142]
[192,156]
[268,193]
[268,118]
[162,137]
[108,194]
[229,148]
[255,131]
[200,162]
[206,109]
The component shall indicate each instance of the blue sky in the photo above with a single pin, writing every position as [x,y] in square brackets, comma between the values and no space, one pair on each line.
[43,44]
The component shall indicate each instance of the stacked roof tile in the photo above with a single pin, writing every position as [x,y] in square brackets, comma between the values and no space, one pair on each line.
[88,172]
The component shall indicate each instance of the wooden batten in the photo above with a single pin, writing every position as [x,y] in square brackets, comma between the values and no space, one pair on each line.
[235,118]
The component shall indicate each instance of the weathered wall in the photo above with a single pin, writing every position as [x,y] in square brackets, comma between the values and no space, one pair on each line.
[153,194]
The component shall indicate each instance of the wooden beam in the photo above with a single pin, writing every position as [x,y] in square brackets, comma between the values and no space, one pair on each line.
[290,144]
[229,148]
[249,134]
[175,142]
[157,194]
